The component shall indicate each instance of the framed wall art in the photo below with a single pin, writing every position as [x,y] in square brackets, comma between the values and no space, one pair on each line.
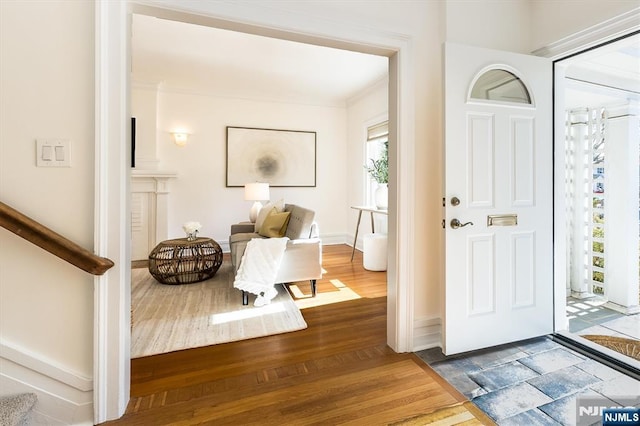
[277,157]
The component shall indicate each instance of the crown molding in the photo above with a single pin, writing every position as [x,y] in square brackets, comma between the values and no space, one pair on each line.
[595,35]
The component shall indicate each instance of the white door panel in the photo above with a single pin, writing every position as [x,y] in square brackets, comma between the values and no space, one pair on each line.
[499,165]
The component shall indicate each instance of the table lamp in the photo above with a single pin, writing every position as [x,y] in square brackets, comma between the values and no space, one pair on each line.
[257,192]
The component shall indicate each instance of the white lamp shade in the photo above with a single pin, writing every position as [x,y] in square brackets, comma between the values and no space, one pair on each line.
[256,191]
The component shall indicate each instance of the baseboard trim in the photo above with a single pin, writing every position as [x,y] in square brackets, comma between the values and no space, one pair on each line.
[64,397]
[627,310]
[333,239]
[44,366]
[427,333]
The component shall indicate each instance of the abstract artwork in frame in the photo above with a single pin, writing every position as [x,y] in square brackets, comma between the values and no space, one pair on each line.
[277,157]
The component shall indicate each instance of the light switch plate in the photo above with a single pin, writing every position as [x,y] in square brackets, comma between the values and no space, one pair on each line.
[53,153]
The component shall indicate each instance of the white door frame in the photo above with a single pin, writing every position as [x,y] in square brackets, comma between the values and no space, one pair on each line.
[112,206]
[612,29]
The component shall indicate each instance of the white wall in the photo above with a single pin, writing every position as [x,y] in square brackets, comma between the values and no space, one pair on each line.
[367,109]
[555,20]
[495,24]
[47,304]
[199,192]
[46,91]
[525,25]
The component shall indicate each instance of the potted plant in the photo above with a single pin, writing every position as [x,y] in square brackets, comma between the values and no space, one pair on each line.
[379,171]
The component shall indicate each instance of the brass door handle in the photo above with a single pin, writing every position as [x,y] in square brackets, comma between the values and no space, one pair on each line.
[455,224]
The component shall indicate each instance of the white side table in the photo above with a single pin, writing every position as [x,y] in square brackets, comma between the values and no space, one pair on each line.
[375,252]
[371,211]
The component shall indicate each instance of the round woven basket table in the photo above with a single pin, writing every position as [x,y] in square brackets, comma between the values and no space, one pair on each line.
[183,261]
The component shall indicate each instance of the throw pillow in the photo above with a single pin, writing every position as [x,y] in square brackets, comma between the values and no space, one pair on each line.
[275,225]
[265,210]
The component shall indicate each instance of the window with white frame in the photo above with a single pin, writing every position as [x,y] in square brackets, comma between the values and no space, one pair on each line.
[377,159]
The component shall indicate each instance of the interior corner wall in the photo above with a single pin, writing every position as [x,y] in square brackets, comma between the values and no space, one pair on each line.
[199,192]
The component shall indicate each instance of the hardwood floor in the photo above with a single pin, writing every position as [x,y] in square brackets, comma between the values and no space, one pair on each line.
[337,371]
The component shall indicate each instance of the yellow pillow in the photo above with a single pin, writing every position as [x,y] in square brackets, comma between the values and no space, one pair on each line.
[275,224]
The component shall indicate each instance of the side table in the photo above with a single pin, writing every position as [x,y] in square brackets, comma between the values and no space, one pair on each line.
[183,261]
[371,211]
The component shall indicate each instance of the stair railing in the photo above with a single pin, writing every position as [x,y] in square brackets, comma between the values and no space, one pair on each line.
[52,242]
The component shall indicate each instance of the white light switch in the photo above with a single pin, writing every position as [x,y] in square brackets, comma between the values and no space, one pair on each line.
[47,155]
[59,153]
[53,153]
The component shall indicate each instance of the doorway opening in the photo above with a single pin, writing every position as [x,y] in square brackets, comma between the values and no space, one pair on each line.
[598,97]
[112,302]
[178,88]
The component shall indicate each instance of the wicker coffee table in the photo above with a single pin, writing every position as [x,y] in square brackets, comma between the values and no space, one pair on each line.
[183,261]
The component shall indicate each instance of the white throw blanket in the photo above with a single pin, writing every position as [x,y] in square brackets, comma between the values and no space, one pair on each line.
[259,266]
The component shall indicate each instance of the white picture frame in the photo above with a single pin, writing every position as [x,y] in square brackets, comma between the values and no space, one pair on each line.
[281,158]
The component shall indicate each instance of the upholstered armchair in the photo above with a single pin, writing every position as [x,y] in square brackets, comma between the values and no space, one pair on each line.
[302,259]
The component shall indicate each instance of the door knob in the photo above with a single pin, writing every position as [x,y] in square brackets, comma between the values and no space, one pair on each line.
[455,224]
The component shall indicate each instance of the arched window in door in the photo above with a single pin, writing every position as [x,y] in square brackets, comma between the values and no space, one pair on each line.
[500,85]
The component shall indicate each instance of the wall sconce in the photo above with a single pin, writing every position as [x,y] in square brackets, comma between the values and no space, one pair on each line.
[180,138]
[256,192]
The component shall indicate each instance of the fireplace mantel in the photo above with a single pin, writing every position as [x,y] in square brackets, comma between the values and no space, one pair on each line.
[160,175]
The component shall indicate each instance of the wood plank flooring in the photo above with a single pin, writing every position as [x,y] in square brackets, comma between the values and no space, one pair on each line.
[337,371]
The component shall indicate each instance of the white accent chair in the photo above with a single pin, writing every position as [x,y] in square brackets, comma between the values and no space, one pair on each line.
[302,259]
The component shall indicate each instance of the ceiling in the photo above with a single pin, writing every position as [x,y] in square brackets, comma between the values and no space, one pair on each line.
[615,65]
[227,63]
[191,57]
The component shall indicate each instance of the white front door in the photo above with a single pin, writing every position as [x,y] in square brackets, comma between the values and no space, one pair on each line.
[499,165]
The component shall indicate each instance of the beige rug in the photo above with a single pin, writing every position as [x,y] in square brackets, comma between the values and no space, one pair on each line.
[168,318]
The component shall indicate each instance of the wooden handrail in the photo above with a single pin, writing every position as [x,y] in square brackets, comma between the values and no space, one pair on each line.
[52,242]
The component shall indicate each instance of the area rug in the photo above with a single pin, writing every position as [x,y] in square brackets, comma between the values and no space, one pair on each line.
[453,415]
[167,318]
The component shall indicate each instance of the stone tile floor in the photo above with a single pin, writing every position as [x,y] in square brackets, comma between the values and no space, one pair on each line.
[590,316]
[534,382]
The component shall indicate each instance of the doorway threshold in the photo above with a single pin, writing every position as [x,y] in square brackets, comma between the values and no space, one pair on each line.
[597,352]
